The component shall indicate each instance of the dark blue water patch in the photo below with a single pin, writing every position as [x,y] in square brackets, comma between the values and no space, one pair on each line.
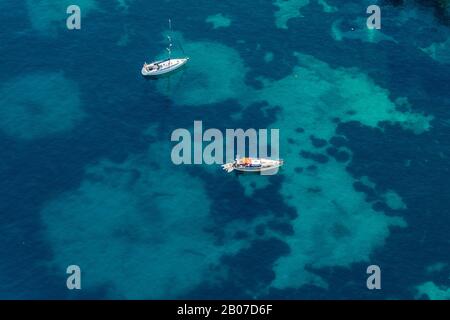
[338,141]
[24,274]
[317,157]
[98,293]
[424,34]
[380,206]
[228,200]
[440,10]
[339,155]
[260,230]
[311,168]
[314,190]
[370,192]
[306,292]
[249,270]
[22,247]
[317,142]
[241,235]
[14,19]
[281,227]
[299,170]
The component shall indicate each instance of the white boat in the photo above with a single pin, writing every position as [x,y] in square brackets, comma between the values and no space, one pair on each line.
[252,165]
[161,67]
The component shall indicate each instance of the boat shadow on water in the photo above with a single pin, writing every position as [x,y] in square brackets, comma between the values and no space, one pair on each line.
[243,173]
[271,172]
[173,79]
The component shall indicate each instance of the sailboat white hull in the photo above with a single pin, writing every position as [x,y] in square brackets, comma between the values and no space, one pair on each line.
[261,169]
[162,67]
[252,165]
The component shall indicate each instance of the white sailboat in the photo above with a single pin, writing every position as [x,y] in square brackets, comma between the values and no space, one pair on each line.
[252,165]
[161,67]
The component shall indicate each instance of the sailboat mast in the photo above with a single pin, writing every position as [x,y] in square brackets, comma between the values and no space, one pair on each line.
[169,48]
[170,41]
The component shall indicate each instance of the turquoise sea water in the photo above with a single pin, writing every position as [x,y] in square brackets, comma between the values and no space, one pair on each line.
[86,176]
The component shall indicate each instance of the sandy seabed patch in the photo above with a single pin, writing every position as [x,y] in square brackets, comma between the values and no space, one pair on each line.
[216,73]
[432,291]
[138,228]
[289,9]
[218,21]
[40,104]
[335,226]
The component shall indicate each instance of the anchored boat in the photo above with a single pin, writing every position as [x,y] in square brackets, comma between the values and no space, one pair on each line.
[252,165]
[161,67]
